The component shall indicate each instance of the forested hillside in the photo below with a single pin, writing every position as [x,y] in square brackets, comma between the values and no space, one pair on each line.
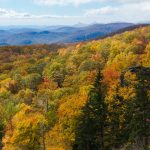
[89,96]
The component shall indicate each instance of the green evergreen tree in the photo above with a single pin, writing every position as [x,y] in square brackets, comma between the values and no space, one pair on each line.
[90,131]
[139,125]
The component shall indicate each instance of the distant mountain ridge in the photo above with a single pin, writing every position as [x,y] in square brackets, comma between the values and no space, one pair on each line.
[130,28]
[58,34]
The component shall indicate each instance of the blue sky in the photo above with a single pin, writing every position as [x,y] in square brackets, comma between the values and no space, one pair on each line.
[68,12]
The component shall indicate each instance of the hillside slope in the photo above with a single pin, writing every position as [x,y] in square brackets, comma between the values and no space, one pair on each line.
[76,97]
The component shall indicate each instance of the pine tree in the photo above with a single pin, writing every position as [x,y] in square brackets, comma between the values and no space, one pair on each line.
[140,127]
[90,131]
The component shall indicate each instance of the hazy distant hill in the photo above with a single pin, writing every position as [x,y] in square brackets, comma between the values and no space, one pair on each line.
[57,34]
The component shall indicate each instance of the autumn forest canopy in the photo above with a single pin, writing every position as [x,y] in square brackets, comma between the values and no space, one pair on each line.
[85,96]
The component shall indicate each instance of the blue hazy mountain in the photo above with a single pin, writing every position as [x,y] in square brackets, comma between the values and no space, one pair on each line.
[27,35]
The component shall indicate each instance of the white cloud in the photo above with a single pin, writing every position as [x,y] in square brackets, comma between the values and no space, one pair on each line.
[129,12]
[6,13]
[101,11]
[79,2]
[132,1]
[64,2]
